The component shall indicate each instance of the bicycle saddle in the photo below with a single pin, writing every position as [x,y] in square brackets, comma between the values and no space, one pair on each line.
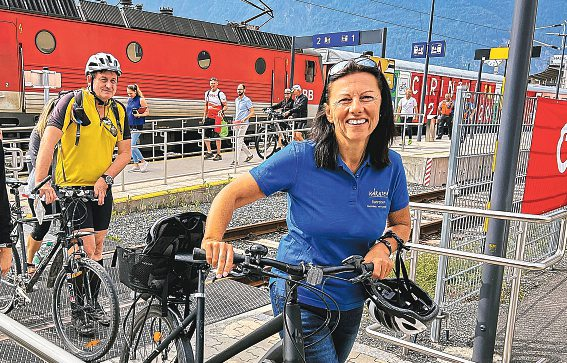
[14,183]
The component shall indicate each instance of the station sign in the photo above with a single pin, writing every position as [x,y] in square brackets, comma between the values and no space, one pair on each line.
[546,177]
[418,50]
[35,79]
[341,39]
[436,49]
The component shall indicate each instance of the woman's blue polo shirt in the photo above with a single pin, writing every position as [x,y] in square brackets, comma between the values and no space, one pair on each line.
[332,214]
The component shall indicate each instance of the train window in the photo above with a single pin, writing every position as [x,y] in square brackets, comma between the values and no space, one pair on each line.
[204,59]
[45,41]
[134,52]
[260,66]
[309,71]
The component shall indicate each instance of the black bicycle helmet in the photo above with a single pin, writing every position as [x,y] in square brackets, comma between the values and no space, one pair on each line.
[398,303]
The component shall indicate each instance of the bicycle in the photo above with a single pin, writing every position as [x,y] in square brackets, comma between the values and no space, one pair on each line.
[145,337]
[266,140]
[82,292]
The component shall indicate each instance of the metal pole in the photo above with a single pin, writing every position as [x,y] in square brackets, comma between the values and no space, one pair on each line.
[450,195]
[515,294]
[523,23]
[292,66]
[46,85]
[384,32]
[564,35]
[424,85]
[478,78]
[36,344]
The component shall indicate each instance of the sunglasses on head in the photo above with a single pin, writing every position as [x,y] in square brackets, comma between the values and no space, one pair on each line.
[362,61]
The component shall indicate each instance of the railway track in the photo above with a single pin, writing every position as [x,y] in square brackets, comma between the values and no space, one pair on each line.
[279,225]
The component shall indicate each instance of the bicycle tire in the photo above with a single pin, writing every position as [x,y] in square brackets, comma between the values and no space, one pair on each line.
[79,279]
[270,146]
[8,293]
[146,342]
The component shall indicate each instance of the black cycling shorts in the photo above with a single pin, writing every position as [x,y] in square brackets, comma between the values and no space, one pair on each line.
[210,132]
[90,214]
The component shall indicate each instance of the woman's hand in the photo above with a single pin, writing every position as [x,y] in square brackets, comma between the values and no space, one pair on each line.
[380,257]
[219,255]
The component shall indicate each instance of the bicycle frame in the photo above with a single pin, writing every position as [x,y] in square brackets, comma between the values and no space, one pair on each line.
[289,349]
[62,239]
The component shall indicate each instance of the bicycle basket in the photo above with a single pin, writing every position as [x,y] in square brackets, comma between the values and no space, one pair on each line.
[153,269]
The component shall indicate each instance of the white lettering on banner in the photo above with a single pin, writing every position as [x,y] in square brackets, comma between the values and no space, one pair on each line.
[308,93]
[561,165]
[413,82]
[433,86]
[431,108]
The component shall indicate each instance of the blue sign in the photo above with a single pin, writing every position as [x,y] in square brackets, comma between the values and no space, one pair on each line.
[437,48]
[418,50]
[336,39]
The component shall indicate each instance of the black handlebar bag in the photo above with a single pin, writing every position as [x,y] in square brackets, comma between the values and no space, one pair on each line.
[153,270]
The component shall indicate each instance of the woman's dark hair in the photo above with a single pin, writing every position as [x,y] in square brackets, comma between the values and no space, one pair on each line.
[323,132]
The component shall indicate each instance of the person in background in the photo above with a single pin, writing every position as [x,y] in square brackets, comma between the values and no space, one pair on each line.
[5,219]
[299,111]
[136,121]
[285,105]
[85,159]
[35,238]
[407,109]
[345,187]
[444,110]
[215,106]
[244,111]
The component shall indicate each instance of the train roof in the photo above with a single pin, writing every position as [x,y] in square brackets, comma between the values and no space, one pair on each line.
[331,56]
[135,18]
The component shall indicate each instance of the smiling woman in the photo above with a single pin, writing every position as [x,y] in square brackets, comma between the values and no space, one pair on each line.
[356,104]
[344,188]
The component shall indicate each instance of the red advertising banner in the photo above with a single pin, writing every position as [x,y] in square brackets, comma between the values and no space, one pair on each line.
[546,180]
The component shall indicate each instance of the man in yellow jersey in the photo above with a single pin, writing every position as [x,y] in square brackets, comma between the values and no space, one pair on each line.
[88,124]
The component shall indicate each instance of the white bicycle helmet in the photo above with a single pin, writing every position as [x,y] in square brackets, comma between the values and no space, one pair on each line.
[398,303]
[102,62]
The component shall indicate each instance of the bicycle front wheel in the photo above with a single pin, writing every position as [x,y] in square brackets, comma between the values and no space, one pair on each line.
[9,283]
[85,309]
[149,329]
[265,145]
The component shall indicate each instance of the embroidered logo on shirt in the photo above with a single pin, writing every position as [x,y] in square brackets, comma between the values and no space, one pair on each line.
[378,193]
[378,198]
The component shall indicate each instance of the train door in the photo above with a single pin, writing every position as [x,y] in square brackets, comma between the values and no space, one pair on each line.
[10,73]
[279,77]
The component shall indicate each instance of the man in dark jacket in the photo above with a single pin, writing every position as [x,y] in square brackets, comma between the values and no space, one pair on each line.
[299,111]
[285,105]
[5,241]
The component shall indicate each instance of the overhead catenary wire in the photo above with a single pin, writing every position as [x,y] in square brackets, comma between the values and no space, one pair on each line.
[389,22]
[439,16]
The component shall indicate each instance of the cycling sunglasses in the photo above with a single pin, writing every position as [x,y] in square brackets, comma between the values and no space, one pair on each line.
[362,61]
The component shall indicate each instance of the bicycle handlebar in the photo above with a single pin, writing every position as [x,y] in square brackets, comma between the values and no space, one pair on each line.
[313,273]
[40,184]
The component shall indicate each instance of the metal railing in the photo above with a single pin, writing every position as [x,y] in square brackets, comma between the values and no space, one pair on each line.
[517,263]
[164,140]
[35,343]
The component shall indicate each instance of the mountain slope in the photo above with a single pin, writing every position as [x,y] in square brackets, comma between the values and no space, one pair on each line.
[465,24]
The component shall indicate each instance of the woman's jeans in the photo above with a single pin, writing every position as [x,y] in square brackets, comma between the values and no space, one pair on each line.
[136,154]
[334,347]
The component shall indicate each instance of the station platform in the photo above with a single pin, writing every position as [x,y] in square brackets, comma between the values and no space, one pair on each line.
[425,163]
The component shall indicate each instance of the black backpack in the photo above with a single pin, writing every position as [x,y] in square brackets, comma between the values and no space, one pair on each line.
[155,271]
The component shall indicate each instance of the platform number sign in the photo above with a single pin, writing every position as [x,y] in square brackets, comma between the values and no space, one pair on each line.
[336,39]
[436,49]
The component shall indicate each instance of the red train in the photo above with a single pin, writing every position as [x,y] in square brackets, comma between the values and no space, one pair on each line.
[171,58]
